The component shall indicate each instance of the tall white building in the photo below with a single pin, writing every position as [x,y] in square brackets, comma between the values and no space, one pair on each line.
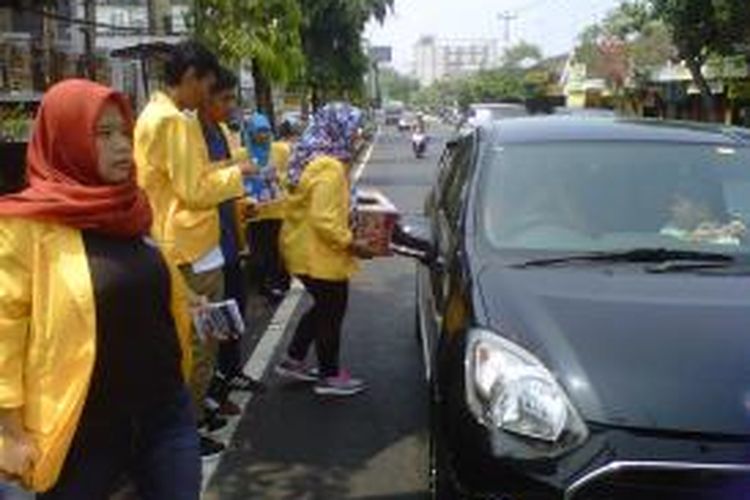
[435,59]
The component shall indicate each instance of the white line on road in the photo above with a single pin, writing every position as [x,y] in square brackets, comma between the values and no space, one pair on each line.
[360,169]
[263,354]
[257,366]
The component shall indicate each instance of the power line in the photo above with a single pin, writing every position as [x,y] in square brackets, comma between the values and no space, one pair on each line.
[83,22]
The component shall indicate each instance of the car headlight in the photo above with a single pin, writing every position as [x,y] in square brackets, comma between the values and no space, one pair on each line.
[509,389]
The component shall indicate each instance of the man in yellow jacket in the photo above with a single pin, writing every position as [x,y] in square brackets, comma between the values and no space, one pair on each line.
[185,190]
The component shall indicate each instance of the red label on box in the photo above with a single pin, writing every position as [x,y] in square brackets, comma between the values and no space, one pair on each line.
[375,220]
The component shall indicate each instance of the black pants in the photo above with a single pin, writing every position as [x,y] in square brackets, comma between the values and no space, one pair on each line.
[321,324]
[229,360]
[269,266]
[159,449]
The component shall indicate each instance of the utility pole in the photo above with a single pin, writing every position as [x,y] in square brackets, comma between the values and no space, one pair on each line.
[158,13]
[48,36]
[507,18]
[153,21]
[89,34]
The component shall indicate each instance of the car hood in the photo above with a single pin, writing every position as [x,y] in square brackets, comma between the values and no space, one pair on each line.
[662,352]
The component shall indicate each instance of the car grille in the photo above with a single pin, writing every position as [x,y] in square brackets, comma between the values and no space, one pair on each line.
[672,482]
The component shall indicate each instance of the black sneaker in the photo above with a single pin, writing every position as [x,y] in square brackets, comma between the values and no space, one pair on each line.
[243,383]
[210,448]
[212,423]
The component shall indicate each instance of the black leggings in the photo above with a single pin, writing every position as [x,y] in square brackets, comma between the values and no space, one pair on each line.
[264,240]
[321,324]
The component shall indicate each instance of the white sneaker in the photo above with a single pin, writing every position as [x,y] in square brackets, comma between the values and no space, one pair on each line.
[296,371]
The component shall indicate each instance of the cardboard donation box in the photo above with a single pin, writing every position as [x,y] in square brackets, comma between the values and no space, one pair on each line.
[375,218]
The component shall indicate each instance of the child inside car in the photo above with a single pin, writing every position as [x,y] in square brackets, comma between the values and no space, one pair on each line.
[693,220]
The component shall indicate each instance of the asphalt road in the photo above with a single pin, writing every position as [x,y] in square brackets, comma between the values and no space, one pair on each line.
[293,445]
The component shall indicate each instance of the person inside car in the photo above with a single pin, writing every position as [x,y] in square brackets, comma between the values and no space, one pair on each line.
[693,220]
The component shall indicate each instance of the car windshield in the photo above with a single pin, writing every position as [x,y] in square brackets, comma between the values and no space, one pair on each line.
[606,196]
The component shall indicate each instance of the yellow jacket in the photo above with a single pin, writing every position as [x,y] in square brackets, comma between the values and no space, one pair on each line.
[48,335]
[279,160]
[184,187]
[281,151]
[315,238]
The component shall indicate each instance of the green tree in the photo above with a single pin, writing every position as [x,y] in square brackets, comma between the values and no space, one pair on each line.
[701,29]
[332,42]
[628,43]
[265,33]
[520,54]
[396,86]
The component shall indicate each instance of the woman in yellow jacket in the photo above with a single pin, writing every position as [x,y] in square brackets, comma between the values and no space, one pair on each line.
[94,330]
[318,245]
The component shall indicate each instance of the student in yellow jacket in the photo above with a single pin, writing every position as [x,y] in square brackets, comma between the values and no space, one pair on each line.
[94,328]
[318,245]
[265,226]
[185,190]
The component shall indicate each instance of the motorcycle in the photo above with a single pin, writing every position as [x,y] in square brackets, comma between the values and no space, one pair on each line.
[419,144]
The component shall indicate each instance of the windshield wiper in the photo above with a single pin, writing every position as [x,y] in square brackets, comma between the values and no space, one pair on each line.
[738,266]
[646,255]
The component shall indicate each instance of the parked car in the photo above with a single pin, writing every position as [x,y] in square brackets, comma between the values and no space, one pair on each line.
[483,113]
[584,311]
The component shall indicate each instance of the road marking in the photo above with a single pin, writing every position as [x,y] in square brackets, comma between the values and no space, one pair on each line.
[263,354]
[256,367]
[360,169]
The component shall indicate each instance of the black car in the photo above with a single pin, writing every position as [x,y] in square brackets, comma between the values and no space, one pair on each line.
[584,308]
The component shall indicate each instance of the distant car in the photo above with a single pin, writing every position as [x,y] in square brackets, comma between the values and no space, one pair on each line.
[394,110]
[405,123]
[583,305]
[484,113]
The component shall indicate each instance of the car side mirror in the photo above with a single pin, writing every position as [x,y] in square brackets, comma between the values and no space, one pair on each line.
[412,237]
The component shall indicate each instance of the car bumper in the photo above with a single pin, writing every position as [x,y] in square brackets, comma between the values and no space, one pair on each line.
[613,464]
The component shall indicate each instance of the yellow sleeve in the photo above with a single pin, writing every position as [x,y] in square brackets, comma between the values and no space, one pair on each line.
[280,153]
[329,212]
[237,151]
[15,313]
[199,183]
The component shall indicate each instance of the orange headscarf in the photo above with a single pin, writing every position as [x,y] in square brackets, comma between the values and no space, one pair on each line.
[64,184]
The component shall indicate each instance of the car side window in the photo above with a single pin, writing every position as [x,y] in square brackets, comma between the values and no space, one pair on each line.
[444,168]
[455,182]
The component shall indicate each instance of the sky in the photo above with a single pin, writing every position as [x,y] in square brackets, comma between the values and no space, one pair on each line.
[553,25]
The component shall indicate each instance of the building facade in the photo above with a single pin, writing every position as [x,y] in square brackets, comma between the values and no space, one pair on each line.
[436,59]
[39,46]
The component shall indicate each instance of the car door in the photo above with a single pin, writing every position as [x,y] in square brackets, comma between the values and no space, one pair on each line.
[448,206]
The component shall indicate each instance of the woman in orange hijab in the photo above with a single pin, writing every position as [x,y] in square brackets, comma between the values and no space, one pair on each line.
[93,319]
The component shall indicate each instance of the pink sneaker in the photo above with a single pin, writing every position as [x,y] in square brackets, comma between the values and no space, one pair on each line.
[341,385]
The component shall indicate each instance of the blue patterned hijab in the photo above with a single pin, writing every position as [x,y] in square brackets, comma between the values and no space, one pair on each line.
[330,134]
